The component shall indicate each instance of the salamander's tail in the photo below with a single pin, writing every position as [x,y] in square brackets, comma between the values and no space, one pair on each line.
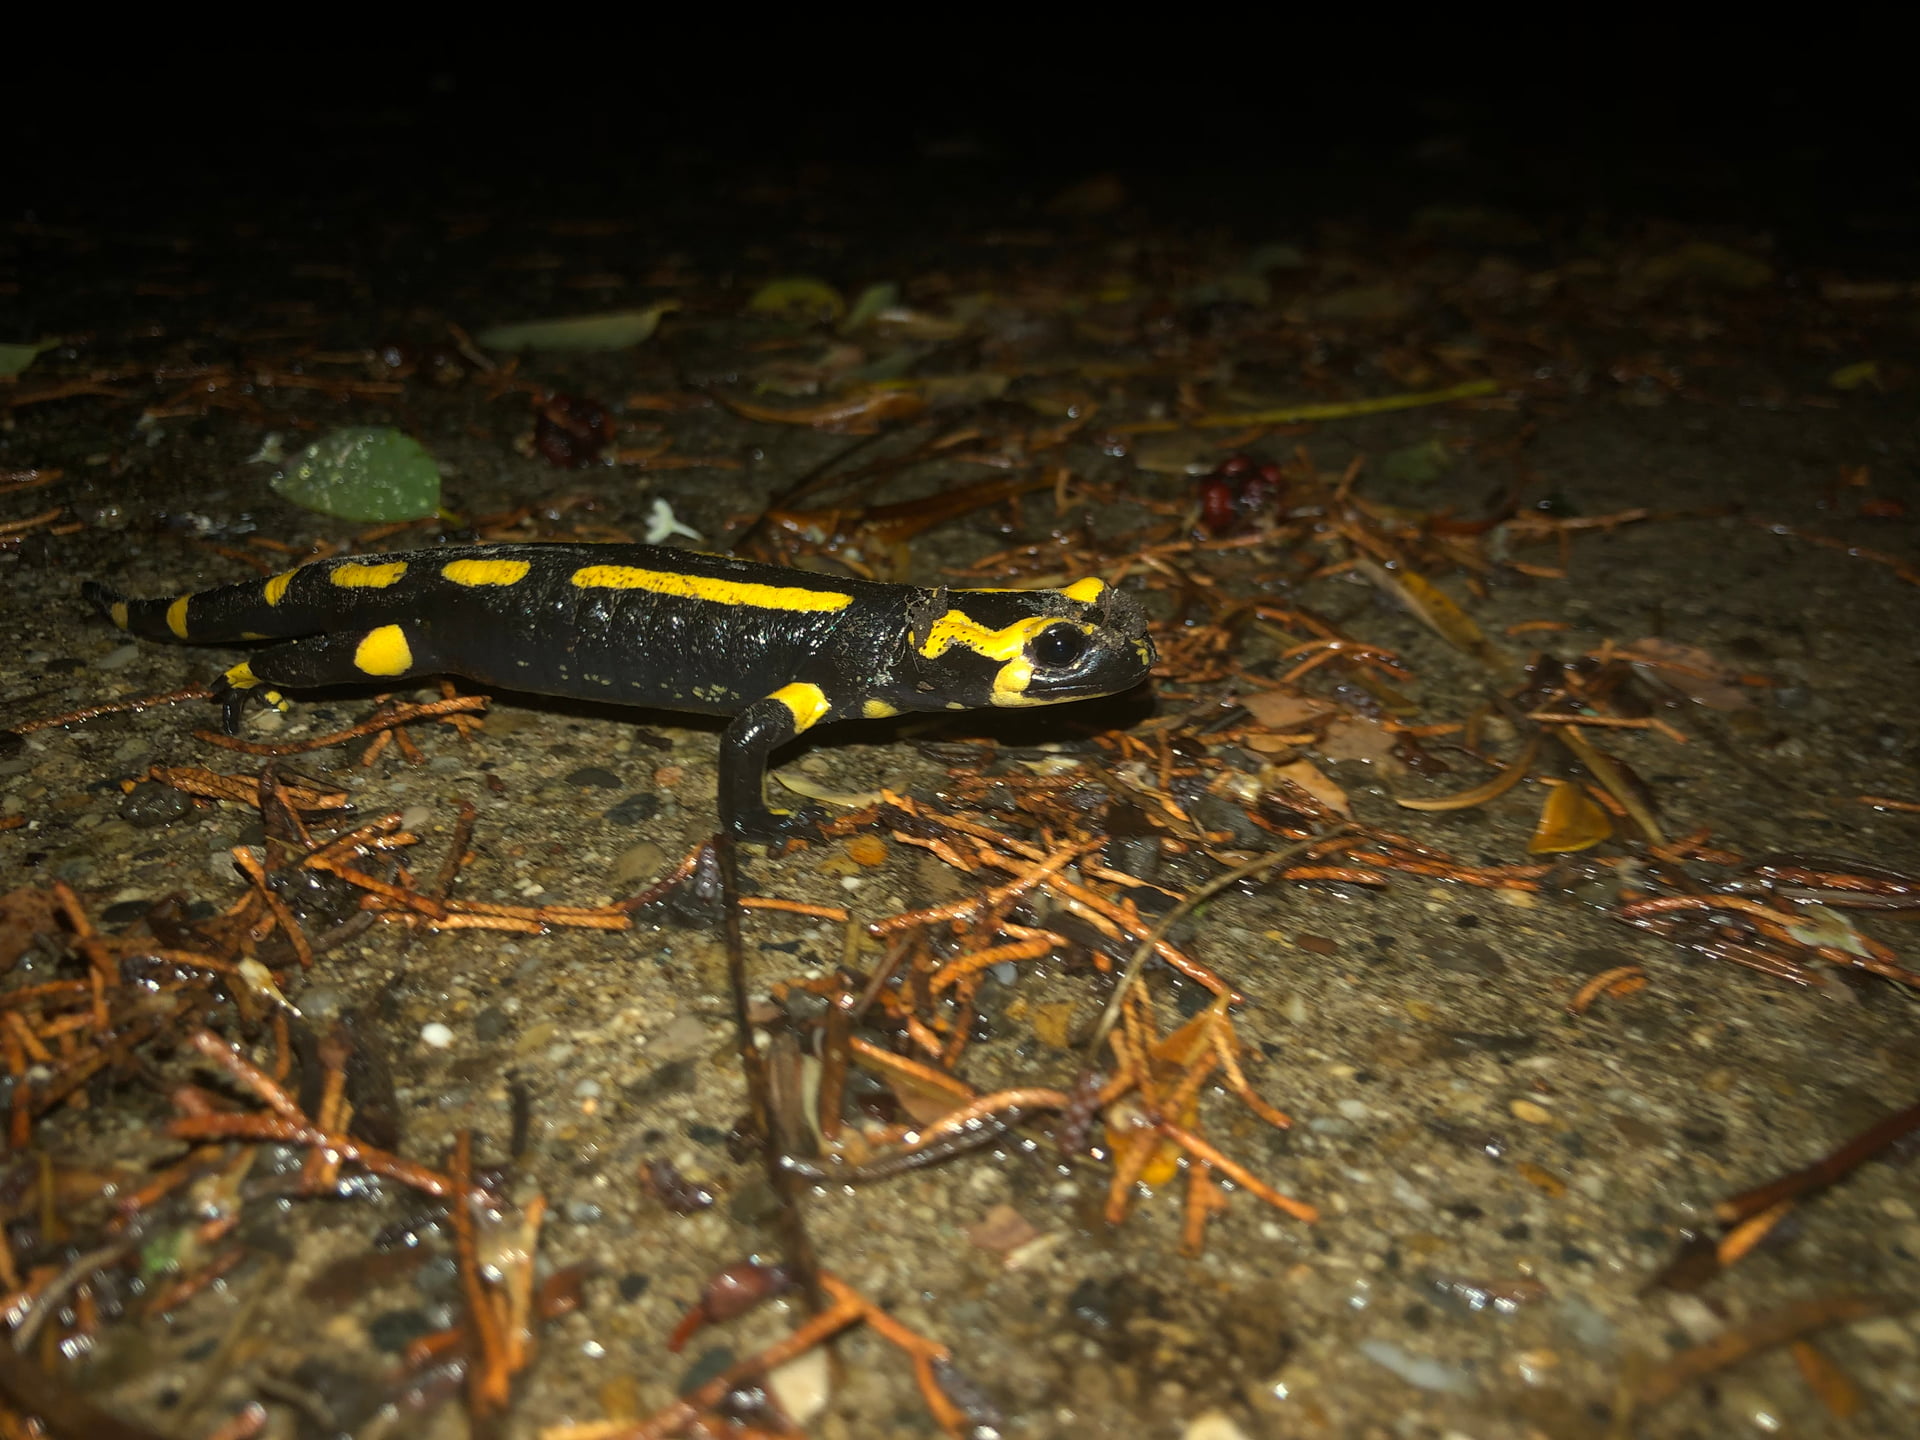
[108,601]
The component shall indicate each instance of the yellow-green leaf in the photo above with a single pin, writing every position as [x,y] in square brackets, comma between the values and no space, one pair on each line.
[610,330]
[365,473]
[1707,262]
[15,358]
[869,304]
[799,297]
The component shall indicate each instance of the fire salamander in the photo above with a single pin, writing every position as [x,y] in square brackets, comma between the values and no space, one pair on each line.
[779,650]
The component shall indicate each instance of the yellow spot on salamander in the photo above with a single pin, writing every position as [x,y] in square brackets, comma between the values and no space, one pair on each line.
[878,710]
[1010,683]
[275,590]
[956,627]
[486,572]
[1086,591]
[807,702]
[177,617]
[241,677]
[703,587]
[384,652]
[118,611]
[370,577]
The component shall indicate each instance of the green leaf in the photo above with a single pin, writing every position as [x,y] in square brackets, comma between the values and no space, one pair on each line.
[611,330]
[869,303]
[15,358]
[1708,263]
[799,297]
[1854,377]
[1418,464]
[364,473]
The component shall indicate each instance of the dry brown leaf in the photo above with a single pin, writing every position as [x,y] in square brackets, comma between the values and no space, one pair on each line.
[1001,1229]
[1309,777]
[923,1103]
[1284,710]
[1692,671]
[24,913]
[1354,737]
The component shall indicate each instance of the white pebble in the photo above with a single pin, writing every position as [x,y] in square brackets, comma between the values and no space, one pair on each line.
[1212,1426]
[1419,1370]
[802,1386]
[436,1035]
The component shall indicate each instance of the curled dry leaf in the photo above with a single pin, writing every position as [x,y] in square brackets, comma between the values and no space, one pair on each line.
[850,415]
[1569,821]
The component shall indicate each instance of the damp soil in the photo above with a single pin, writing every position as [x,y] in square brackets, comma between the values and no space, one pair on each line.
[1497,1180]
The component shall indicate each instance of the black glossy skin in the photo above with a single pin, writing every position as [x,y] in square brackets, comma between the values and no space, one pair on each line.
[778,649]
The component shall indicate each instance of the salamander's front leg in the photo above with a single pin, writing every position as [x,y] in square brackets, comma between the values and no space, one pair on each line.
[756,732]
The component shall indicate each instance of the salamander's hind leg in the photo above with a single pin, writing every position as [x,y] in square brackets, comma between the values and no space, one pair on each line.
[387,652]
[756,732]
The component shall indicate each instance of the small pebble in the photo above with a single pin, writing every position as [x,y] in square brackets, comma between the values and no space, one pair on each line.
[636,809]
[436,1035]
[1884,1331]
[118,659]
[636,863]
[1212,1426]
[867,850]
[1416,1370]
[150,804]
[1531,1113]
[802,1386]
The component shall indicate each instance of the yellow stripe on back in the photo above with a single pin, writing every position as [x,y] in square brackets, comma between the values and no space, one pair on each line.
[486,572]
[371,577]
[177,617]
[384,652]
[275,590]
[702,587]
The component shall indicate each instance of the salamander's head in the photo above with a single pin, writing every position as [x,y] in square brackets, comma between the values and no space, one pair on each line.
[969,649]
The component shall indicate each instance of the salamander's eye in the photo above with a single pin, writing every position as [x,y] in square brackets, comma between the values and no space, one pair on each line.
[1058,646]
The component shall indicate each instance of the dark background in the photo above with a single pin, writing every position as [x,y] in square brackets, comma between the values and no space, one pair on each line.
[1812,142]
